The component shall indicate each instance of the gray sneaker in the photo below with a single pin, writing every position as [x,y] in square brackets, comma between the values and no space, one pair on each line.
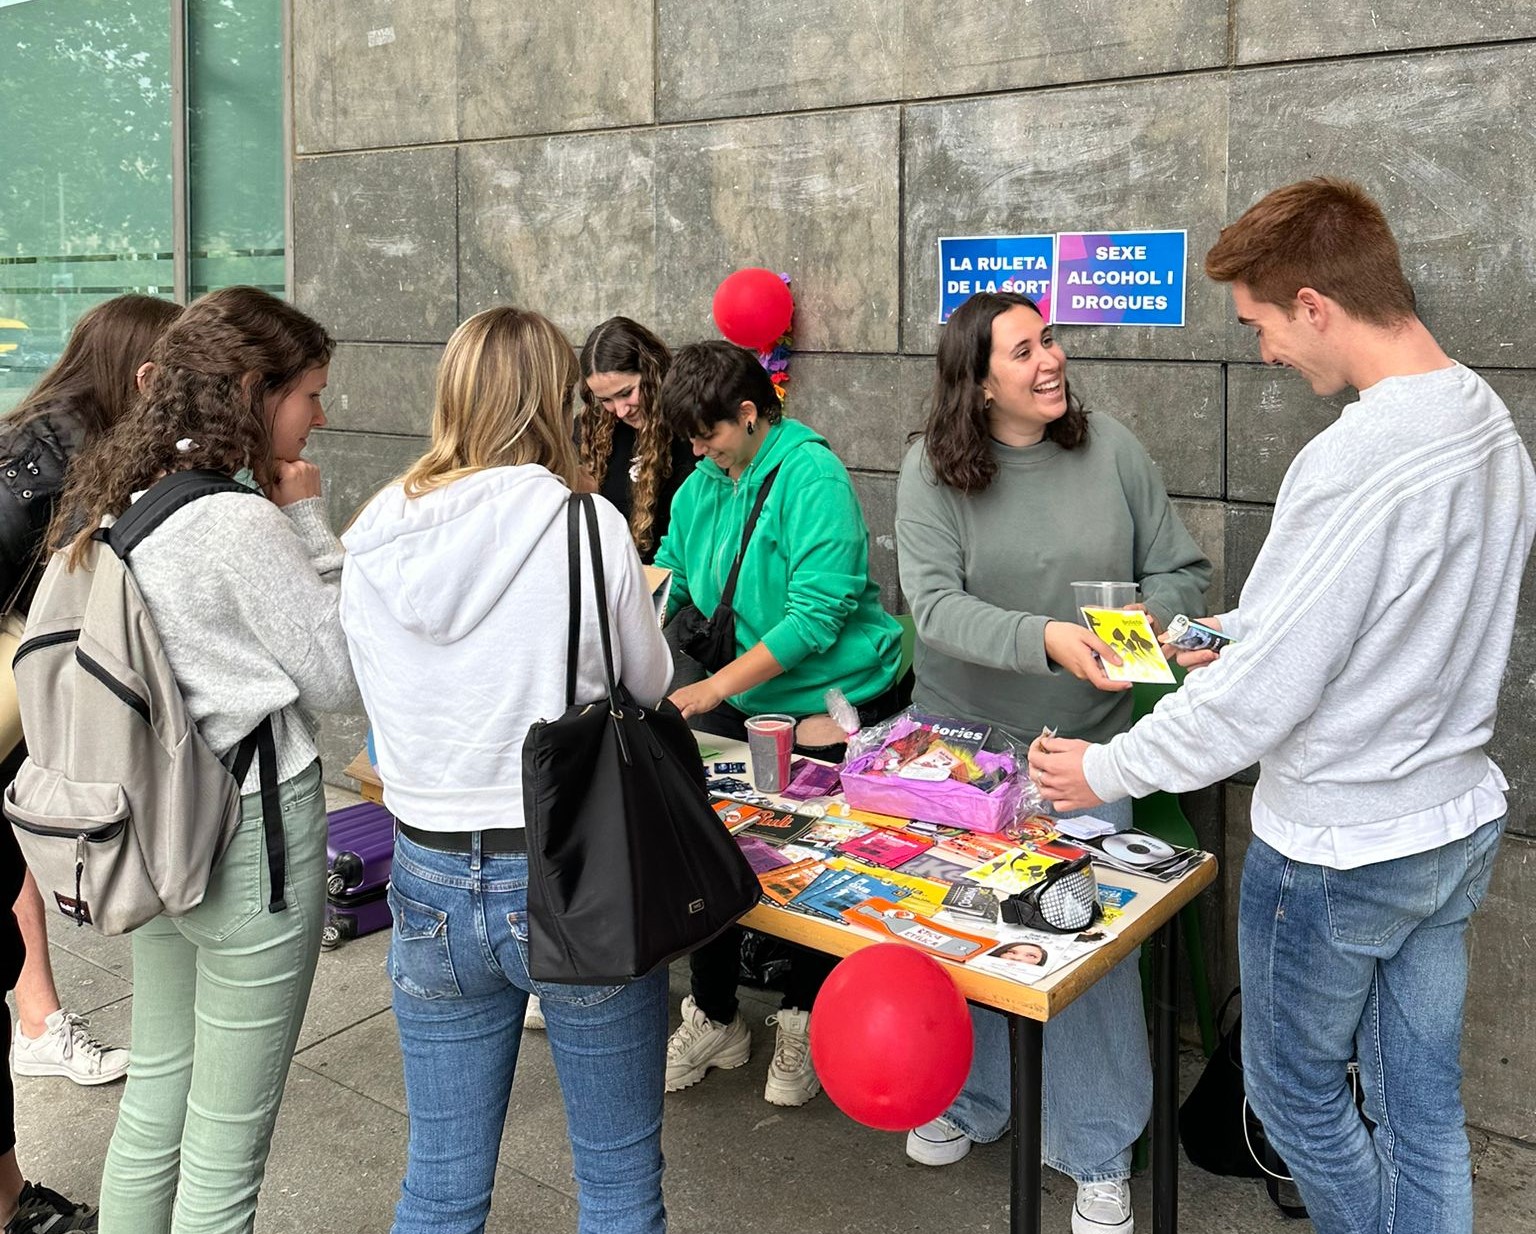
[791,1076]
[67,1048]
[700,1043]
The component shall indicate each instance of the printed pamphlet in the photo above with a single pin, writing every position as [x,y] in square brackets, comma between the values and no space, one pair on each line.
[1129,632]
[883,917]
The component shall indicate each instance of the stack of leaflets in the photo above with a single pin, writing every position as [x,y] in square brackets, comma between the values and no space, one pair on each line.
[834,890]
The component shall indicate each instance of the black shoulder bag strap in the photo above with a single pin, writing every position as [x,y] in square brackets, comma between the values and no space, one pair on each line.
[729,593]
[163,499]
[583,502]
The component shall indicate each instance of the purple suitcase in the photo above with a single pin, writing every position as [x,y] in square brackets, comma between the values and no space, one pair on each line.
[360,848]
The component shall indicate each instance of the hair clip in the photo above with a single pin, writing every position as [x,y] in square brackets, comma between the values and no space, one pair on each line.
[185,445]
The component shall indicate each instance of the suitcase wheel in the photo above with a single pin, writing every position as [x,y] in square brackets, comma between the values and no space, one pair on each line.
[330,937]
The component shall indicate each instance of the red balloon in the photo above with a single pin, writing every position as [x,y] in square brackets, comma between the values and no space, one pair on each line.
[891,1037]
[753,308]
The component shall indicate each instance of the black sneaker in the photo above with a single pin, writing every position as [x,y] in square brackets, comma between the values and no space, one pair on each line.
[42,1210]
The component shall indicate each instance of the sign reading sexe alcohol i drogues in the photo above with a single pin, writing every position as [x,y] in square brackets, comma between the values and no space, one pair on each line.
[972,264]
[1120,278]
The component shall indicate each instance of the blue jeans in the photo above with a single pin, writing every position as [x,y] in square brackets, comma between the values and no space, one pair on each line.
[1098,1071]
[1371,960]
[458,958]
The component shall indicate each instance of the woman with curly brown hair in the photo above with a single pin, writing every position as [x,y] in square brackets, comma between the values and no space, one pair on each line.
[243,588]
[625,446]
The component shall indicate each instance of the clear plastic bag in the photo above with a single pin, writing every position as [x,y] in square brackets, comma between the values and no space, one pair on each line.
[1003,797]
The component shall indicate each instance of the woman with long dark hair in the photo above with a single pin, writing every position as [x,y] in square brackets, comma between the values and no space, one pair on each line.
[243,588]
[84,394]
[1014,492]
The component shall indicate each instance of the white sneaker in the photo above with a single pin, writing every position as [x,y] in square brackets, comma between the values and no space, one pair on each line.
[939,1142]
[699,1044]
[533,1017]
[791,1075]
[67,1048]
[1103,1208]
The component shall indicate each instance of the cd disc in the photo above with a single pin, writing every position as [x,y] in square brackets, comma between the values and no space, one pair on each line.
[1139,850]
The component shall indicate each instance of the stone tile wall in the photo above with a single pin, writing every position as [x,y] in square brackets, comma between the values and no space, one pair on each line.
[605,156]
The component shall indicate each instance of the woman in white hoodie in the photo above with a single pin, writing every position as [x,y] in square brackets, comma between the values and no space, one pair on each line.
[455,607]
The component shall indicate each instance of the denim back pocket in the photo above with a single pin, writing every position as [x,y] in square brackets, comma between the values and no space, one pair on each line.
[552,991]
[419,961]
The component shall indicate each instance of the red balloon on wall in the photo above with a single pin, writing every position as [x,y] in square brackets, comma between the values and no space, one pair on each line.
[753,308]
[891,1037]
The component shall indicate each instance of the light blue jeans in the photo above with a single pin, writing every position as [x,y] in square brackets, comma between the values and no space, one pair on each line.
[458,958]
[1098,1071]
[1371,960]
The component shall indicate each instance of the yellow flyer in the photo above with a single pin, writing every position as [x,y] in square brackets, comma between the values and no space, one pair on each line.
[1129,632]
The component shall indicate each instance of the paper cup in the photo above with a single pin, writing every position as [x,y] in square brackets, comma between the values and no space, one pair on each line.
[770,741]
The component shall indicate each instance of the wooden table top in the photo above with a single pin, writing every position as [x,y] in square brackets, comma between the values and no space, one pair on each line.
[1154,904]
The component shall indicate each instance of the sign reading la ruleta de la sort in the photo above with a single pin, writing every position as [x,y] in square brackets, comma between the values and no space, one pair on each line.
[1086,278]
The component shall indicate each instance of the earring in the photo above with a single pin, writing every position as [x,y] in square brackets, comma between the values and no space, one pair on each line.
[751,427]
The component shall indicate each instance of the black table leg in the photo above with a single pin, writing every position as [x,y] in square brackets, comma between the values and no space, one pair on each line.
[1026,1047]
[1165,1080]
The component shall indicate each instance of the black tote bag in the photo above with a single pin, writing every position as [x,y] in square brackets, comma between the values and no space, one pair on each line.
[628,866]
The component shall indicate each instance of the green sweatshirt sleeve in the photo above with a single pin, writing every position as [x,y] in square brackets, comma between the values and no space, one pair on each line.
[828,547]
[948,618]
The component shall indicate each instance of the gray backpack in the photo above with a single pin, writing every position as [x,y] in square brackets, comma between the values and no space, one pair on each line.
[120,807]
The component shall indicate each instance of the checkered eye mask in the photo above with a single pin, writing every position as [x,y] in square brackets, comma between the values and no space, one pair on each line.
[1064,901]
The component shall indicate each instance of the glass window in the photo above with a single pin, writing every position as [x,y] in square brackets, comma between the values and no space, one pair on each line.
[85,143]
[85,201]
[235,150]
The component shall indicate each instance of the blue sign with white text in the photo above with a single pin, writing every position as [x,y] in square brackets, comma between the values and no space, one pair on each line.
[1120,278]
[971,264]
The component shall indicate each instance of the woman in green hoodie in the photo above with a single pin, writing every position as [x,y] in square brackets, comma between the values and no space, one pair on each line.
[808,618]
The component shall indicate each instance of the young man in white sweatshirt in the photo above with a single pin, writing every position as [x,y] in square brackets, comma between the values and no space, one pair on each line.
[1371,639]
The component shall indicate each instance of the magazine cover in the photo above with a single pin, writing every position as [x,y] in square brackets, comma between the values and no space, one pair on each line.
[843,811]
[762,856]
[783,885]
[1012,872]
[777,827]
[736,815]
[973,848]
[829,833]
[883,917]
[885,848]
[935,866]
[1129,632]
[1029,955]
[921,895]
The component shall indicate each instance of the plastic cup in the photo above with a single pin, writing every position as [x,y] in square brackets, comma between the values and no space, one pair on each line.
[770,741]
[1105,594]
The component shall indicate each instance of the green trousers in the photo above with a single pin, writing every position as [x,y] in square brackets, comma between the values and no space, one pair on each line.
[218,998]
